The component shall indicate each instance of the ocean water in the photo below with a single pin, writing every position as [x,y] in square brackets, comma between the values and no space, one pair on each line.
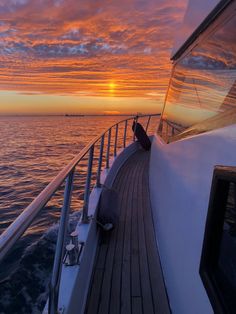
[32,151]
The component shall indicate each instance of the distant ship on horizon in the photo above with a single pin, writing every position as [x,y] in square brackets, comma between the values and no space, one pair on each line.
[74,115]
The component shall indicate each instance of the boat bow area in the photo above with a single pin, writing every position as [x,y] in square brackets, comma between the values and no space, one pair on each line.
[127,275]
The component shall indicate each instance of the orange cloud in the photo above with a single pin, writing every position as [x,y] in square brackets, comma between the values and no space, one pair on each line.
[78,47]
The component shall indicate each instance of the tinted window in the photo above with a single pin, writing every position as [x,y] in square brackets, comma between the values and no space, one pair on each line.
[226,263]
[203,83]
[218,261]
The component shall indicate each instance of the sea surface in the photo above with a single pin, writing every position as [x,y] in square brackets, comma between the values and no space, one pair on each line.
[32,151]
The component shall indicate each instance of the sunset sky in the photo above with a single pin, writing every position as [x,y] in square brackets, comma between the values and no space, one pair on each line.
[77,56]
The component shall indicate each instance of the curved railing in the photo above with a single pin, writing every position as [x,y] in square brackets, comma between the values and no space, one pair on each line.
[168,130]
[9,237]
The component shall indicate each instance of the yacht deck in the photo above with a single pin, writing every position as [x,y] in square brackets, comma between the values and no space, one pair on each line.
[127,276]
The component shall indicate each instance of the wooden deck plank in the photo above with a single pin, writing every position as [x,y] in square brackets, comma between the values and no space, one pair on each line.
[137,305]
[105,291]
[116,280]
[127,273]
[96,295]
[135,269]
[106,285]
[156,278]
[126,262]
[93,298]
[144,268]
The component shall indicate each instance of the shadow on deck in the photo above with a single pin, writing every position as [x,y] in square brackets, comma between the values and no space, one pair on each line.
[127,276]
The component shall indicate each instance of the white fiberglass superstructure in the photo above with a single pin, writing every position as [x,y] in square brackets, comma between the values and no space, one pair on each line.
[198,122]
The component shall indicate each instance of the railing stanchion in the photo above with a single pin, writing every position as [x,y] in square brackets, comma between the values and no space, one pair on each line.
[116,137]
[125,131]
[87,186]
[148,123]
[98,183]
[167,131]
[136,121]
[56,274]
[108,148]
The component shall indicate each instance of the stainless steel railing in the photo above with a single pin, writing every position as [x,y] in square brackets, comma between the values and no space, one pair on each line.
[9,237]
[167,129]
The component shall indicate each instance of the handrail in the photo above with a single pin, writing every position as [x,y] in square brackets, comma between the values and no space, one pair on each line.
[9,237]
[170,129]
[55,281]
[24,220]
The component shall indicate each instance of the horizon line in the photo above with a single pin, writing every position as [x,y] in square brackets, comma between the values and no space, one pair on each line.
[72,115]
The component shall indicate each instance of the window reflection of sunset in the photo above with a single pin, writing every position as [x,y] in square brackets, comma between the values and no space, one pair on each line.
[203,82]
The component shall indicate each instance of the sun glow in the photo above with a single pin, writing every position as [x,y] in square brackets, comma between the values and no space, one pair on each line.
[112,87]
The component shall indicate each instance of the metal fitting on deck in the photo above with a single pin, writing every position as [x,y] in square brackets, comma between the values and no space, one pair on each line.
[73,250]
[71,255]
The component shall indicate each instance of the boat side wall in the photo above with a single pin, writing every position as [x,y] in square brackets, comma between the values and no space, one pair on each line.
[180,183]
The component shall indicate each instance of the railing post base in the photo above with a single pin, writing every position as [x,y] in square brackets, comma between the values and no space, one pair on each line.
[85,219]
[87,186]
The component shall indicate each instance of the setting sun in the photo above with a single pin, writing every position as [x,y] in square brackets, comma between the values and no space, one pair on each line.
[112,86]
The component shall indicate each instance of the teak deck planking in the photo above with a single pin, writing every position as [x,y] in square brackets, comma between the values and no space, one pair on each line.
[127,276]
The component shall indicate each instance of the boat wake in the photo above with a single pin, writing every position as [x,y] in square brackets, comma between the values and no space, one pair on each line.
[24,284]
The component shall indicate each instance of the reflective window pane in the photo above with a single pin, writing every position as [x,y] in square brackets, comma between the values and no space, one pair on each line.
[203,84]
